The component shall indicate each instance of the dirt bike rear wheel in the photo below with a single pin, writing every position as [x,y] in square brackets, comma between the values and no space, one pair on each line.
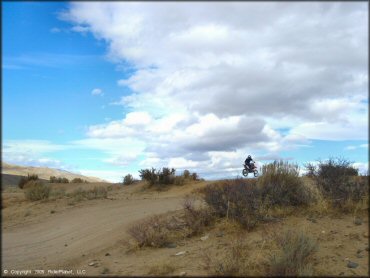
[245,172]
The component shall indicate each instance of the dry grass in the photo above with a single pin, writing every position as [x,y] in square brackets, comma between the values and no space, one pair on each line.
[98,192]
[57,193]
[236,261]
[196,219]
[235,199]
[281,185]
[160,230]
[152,232]
[162,269]
[294,255]
[35,190]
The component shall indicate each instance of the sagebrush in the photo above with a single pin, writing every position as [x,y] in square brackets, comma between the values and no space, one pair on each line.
[128,179]
[338,181]
[36,190]
[236,199]
[24,180]
[294,258]
[281,184]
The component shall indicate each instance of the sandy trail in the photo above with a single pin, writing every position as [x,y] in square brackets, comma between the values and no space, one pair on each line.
[65,237]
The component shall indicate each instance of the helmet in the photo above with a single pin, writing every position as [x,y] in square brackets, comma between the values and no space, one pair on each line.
[249,156]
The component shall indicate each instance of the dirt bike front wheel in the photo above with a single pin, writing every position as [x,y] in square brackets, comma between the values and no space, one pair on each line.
[255,172]
[245,172]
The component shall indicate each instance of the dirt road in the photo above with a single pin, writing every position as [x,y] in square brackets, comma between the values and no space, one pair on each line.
[64,238]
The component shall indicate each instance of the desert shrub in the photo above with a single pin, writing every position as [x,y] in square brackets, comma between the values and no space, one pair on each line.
[57,193]
[149,175]
[160,178]
[36,190]
[150,232]
[338,181]
[166,176]
[77,180]
[295,254]
[24,180]
[128,179]
[236,260]
[196,219]
[98,192]
[64,180]
[280,184]
[186,174]
[179,180]
[162,269]
[54,179]
[236,199]
[194,176]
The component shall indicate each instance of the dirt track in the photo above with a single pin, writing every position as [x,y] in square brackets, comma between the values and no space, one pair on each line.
[84,230]
[58,235]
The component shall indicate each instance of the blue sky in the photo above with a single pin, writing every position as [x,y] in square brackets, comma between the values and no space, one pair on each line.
[106,89]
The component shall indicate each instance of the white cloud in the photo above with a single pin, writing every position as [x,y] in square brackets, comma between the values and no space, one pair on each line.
[137,119]
[207,83]
[351,148]
[55,30]
[80,29]
[96,92]
[33,153]
[362,167]
[31,146]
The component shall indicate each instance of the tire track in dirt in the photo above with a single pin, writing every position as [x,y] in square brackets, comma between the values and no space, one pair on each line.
[70,234]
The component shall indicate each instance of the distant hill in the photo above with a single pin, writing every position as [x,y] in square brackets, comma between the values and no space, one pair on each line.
[10,174]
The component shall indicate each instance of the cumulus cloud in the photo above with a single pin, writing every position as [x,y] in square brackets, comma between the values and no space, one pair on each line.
[33,153]
[96,92]
[217,80]
[363,168]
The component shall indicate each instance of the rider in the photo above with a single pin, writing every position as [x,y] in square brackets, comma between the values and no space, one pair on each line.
[248,162]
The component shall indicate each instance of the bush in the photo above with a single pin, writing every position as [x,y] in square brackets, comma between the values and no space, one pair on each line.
[186,174]
[179,180]
[238,199]
[58,193]
[78,180]
[166,176]
[98,192]
[149,175]
[196,219]
[36,190]
[54,179]
[162,269]
[128,179]
[280,184]
[24,180]
[235,262]
[150,232]
[194,176]
[338,181]
[295,255]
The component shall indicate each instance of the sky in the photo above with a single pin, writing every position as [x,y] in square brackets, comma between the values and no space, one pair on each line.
[107,89]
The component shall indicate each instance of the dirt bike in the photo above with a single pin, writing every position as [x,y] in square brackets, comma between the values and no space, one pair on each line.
[247,170]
